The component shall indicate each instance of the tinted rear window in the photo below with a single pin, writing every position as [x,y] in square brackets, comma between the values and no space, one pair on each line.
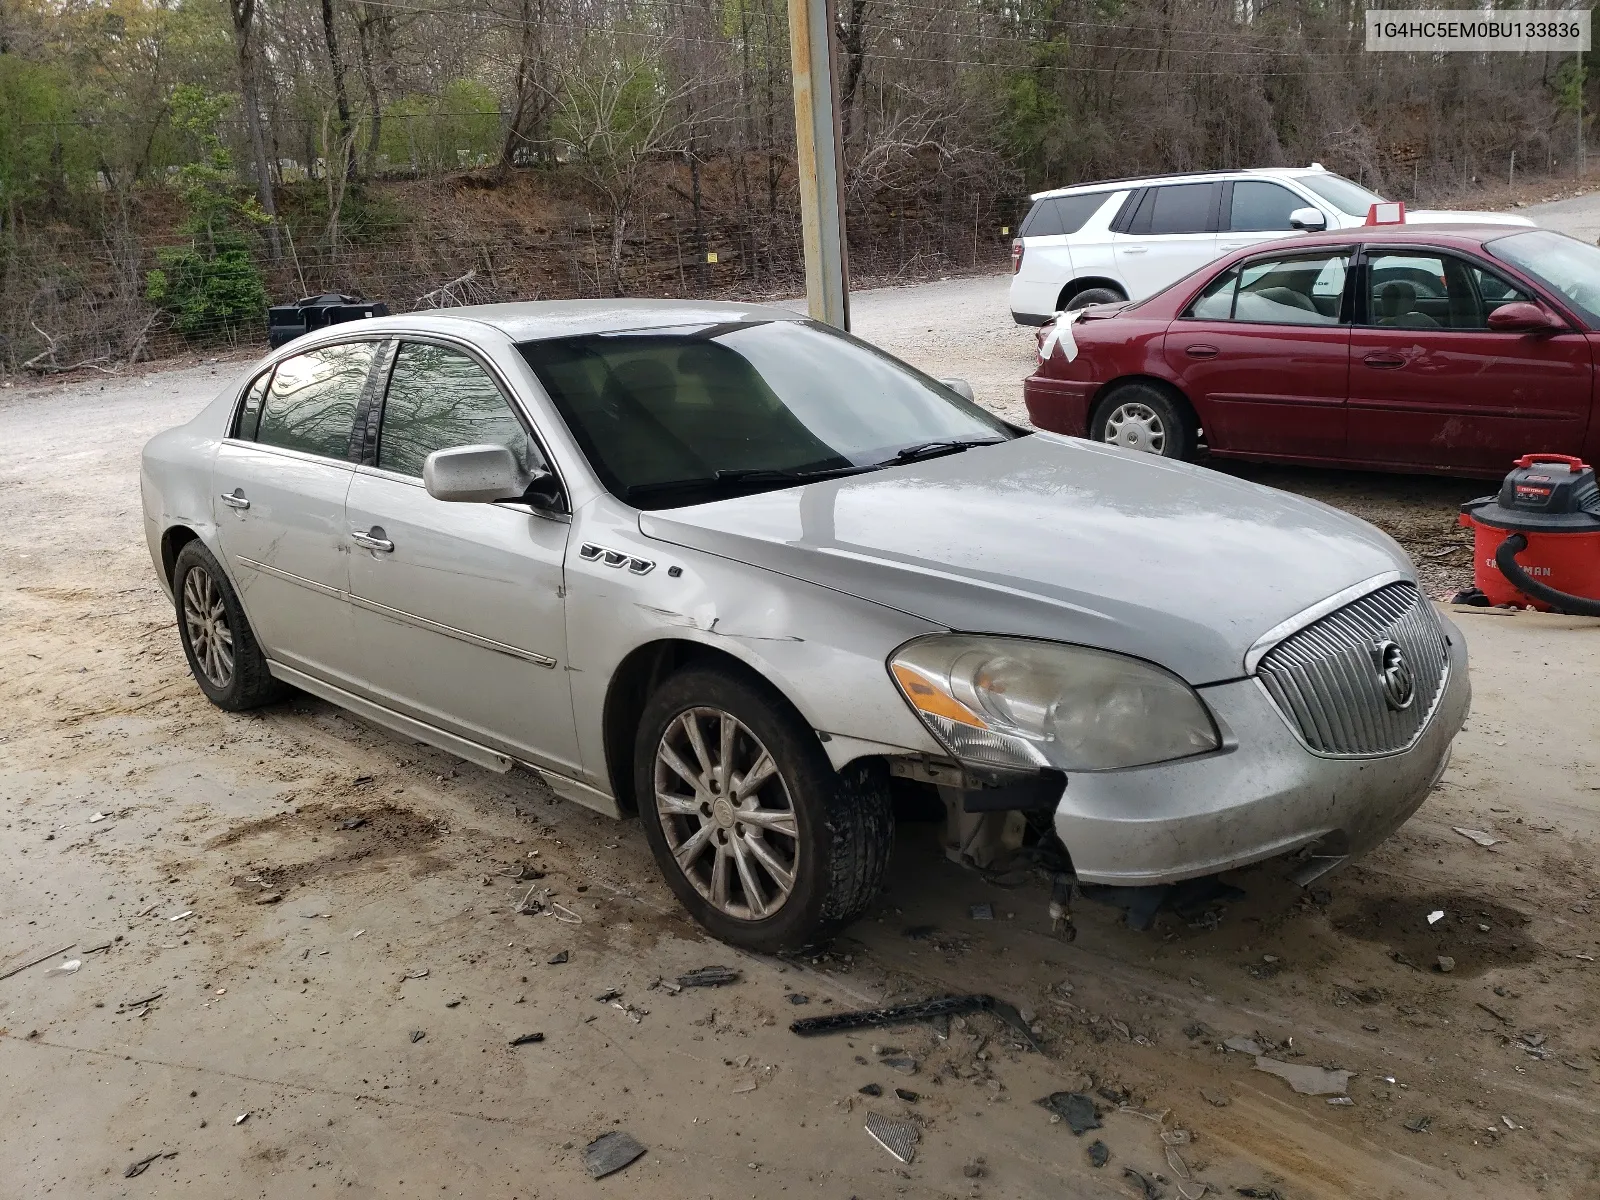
[1062,214]
[1182,208]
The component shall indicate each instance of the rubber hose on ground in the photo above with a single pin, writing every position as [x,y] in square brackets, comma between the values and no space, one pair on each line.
[1506,559]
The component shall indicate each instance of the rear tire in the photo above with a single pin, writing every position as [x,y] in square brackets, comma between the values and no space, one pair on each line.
[1095,295]
[790,860]
[223,654]
[1145,417]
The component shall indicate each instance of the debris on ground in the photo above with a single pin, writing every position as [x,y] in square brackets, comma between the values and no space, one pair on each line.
[981,912]
[610,994]
[269,898]
[871,1089]
[904,1064]
[1477,835]
[140,1166]
[526,1039]
[907,1095]
[1445,964]
[1419,1124]
[1151,1191]
[974,1169]
[418,1034]
[241,1118]
[709,977]
[353,823]
[798,998]
[128,1006]
[1076,1109]
[609,1153]
[899,1138]
[35,962]
[1099,1153]
[522,872]
[1308,1081]
[422,974]
[1243,1045]
[555,960]
[564,914]
[1436,916]
[66,967]
[530,905]
[922,1010]
[1214,1099]
[1194,900]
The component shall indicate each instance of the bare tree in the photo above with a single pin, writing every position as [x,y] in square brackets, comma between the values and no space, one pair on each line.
[243,13]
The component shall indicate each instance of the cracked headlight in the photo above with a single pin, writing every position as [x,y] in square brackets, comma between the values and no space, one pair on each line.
[1014,702]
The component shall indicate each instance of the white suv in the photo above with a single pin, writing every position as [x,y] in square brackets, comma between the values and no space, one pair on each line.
[1125,239]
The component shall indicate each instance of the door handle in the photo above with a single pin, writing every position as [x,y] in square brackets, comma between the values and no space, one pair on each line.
[1384,362]
[1227,246]
[1201,350]
[1136,249]
[373,539]
[235,499]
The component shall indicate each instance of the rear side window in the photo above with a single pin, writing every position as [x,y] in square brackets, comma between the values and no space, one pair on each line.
[1180,208]
[440,398]
[311,403]
[1044,219]
[1262,207]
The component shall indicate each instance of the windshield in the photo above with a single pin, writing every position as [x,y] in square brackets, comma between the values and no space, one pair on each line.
[1348,197]
[686,414]
[1560,262]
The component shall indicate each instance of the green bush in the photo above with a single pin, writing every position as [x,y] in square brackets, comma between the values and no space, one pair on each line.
[208,295]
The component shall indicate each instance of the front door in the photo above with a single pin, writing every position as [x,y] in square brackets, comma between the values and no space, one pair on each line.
[279,489]
[1263,353]
[1432,386]
[459,607]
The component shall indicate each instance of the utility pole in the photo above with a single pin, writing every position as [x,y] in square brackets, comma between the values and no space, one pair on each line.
[820,160]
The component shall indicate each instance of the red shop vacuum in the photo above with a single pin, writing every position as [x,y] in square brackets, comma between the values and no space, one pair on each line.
[1537,543]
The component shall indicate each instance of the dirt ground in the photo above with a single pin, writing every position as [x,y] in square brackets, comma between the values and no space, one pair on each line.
[144,831]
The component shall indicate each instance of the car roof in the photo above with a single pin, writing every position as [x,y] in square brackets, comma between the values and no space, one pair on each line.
[1132,181]
[1463,236]
[536,320]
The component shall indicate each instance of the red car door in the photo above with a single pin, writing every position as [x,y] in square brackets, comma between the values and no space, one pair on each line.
[1263,354]
[1432,387]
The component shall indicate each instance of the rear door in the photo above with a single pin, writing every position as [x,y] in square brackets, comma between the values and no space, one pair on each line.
[1263,353]
[458,608]
[1171,231]
[281,479]
[1433,387]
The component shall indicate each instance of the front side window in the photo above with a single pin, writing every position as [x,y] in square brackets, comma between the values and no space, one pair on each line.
[440,398]
[1289,290]
[1411,290]
[311,403]
[1262,207]
[685,414]
[250,410]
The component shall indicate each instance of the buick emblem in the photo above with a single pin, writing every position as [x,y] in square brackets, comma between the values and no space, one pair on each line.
[1394,675]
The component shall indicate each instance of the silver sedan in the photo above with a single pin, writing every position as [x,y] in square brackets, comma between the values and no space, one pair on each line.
[742,576]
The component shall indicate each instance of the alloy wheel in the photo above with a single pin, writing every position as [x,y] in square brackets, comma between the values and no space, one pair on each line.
[1136,426]
[727,814]
[205,621]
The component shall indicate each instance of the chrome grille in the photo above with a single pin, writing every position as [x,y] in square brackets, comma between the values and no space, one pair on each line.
[1326,680]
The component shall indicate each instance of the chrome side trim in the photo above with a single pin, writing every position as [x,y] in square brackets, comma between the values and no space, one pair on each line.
[461,635]
[290,577]
[408,726]
[577,791]
[1263,644]
[450,631]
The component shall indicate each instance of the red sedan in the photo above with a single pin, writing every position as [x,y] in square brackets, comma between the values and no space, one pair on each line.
[1449,349]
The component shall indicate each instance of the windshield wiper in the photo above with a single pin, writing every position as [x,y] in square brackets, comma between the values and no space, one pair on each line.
[750,476]
[934,449]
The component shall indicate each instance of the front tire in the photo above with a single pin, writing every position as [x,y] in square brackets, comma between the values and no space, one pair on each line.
[760,839]
[1144,417]
[222,650]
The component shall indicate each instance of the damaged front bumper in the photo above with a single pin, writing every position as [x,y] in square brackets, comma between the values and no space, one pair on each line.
[1263,795]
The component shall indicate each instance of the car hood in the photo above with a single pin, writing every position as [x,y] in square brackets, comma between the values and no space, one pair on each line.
[1057,538]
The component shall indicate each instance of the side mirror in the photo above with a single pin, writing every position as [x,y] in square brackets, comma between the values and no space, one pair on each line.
[1312,220]
[961,388]
[474,475]
[1521,317]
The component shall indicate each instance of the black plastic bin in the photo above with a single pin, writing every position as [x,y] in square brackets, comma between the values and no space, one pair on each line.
[285,322]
